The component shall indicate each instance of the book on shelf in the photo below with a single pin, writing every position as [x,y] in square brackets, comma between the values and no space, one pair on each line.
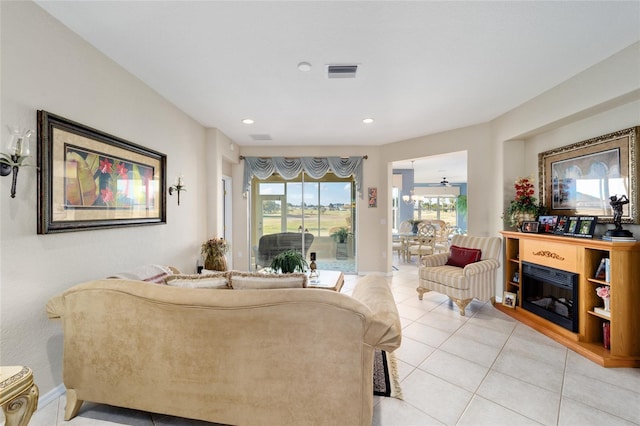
[599,275]
[606,334]
[602,312]
[607,269]
[614,239]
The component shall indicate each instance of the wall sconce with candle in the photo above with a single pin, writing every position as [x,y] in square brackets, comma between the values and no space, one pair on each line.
[177,188]
[17,151]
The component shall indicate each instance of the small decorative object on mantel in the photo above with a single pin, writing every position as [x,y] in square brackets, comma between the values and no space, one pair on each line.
[618,234]
[524,207]
[213,251]
[604,293]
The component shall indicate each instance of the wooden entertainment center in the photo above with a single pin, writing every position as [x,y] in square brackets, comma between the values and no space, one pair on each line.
[582,256]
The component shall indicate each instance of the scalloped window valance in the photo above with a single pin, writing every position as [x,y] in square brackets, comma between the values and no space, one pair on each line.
[316,167]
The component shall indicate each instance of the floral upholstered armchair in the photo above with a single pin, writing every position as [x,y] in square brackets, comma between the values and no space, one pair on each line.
[468,271]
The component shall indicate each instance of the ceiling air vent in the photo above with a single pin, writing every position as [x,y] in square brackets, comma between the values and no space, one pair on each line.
[342,71]
[261,137]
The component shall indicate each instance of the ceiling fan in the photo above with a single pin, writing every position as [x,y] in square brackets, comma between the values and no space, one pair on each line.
[444,182]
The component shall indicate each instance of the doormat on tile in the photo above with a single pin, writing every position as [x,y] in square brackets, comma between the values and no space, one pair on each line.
[385,375]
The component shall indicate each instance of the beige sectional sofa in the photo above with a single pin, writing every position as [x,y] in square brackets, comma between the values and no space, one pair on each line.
[294,356]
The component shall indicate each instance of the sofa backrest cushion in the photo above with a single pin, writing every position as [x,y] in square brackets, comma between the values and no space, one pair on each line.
[257,280]
[215,280]
[461,256]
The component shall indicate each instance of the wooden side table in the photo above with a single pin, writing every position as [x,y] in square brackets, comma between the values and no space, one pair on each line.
[18,395]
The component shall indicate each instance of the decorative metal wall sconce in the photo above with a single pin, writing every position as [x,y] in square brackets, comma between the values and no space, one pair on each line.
[177,188]
[18,151]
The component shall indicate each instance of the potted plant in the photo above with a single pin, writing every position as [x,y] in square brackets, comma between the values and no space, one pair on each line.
[213,252]
[461,205]
[524,207]
[289,261]
[341,234]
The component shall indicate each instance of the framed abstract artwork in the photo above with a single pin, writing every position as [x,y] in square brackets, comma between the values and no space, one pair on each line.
[373,197]
[88,179]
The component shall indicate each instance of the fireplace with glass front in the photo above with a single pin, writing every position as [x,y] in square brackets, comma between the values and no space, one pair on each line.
[551,293]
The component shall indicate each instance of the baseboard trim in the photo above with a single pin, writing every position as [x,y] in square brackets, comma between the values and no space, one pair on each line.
[384,274]
[51,396]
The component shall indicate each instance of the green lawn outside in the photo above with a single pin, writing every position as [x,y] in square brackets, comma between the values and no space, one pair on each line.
[328,219]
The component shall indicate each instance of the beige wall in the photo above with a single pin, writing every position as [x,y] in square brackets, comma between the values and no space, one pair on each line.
[45,66]
[481,162]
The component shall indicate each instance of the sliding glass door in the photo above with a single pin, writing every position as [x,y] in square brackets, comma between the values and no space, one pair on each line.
[320,210]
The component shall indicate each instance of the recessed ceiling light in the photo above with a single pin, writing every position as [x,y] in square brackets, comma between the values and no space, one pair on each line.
[247,121]
[304,66]
[367,120]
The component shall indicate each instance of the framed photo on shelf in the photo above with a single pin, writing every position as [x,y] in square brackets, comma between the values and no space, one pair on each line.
[516,277]
[586,226]
[509,299]
[548,224]
[572,225]
[561,226]
[610,159]
[530,227]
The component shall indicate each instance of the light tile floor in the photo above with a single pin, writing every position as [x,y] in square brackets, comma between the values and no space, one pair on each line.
[481,369]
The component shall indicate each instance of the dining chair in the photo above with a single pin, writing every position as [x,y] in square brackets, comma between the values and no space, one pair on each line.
[423,243]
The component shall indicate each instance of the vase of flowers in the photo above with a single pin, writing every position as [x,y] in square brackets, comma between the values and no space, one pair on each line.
[524,207]
[604,292]
[213,252]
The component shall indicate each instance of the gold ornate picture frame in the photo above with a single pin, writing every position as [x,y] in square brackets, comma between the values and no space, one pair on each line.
[88,179]
[580,178]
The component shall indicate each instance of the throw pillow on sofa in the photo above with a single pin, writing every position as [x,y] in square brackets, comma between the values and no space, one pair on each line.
[149,273]
[462,256]
[258,280]
[219,281]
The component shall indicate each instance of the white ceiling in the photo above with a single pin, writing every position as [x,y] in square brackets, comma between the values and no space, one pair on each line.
[424,66]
